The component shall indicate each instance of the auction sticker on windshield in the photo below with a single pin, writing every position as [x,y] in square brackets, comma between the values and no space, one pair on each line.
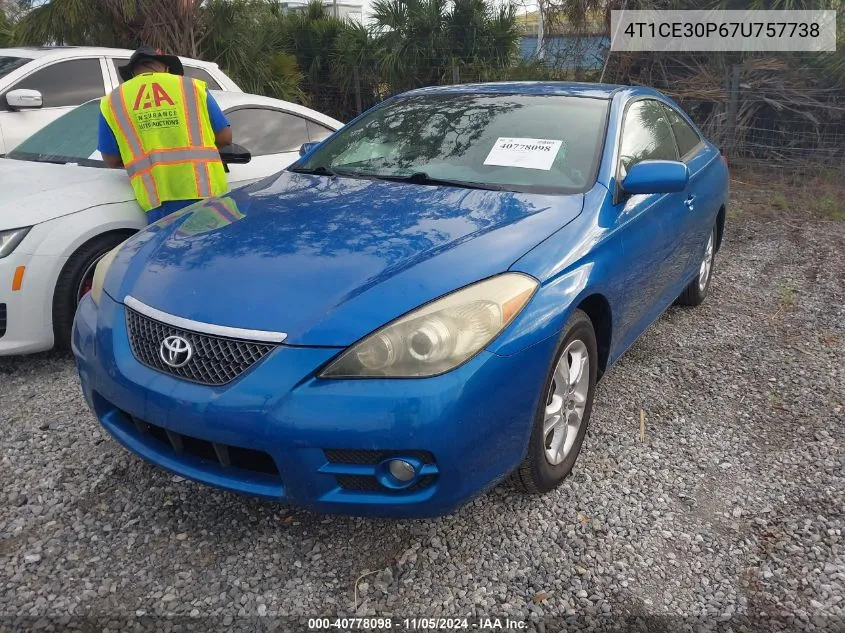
[529,153]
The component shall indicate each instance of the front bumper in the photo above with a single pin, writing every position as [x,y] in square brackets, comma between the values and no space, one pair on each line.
[325,440]
[28,312]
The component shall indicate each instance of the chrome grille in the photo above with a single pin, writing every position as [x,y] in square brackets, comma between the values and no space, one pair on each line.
[216,360]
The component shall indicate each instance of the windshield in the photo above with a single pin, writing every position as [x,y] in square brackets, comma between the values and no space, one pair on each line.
[514,142]
[8,64]
[71,138]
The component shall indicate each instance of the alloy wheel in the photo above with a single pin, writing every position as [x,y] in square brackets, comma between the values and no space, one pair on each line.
[87,279]
[566,401]
[706,264]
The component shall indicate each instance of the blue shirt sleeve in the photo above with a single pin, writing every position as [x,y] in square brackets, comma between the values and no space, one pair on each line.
[218,119]
[106,141]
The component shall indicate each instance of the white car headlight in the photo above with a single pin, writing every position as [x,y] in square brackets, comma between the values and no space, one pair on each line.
[439,336]
[10,239]
[100,273]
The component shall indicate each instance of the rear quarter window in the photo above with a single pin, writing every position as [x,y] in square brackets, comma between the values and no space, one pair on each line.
[204,75]
[686,137]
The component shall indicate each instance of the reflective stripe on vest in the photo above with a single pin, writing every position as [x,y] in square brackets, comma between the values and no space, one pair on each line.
[166,140]
[192,114]
[130,135]
[171,156]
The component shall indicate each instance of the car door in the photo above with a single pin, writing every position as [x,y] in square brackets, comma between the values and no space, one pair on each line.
[649,222]
[701,202]
[272,136]
[63,85]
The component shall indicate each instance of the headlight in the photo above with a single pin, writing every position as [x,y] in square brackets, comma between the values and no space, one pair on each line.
[10,239]
[100,273]
[439,336]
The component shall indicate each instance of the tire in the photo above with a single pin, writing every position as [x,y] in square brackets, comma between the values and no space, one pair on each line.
[538,473]
[67,292]
[695,293]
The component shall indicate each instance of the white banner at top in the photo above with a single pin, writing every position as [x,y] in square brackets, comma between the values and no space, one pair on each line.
[713,30]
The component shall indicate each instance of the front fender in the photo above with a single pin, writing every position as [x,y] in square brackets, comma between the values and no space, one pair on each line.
[582,259]
[63,236]
[547,312]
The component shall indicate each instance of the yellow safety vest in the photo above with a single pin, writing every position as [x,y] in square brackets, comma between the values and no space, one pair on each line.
[165,138]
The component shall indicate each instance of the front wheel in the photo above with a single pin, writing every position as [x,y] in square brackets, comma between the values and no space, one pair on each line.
[75,282]
[562,416]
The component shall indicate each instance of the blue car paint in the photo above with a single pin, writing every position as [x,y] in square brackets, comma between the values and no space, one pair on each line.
[340,252]
[636,255]
[651,175]
[283,409]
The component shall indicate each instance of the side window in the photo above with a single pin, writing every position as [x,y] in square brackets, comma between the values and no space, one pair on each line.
[317,132]
[645,135]
[199,73]
[68,83]
[117,62]
[686,137]
[263,131]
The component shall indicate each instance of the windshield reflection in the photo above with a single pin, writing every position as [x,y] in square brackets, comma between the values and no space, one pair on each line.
[452,137]
[72,138]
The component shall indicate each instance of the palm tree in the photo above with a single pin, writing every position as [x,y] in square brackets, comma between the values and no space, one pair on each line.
[245,37]
[311,35]
[7,29]
[354,66]
[411,41]
[427,42]
[173,25]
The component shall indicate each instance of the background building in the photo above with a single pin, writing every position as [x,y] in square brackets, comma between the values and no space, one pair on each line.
[348,9]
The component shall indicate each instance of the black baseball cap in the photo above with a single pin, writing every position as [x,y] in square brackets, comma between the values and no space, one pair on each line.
[148,52]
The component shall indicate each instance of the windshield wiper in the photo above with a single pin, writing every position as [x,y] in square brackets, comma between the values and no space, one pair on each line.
[36,158]
[422,178]
[319,170]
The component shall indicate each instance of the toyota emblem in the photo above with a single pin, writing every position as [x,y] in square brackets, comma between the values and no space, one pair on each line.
[175,351]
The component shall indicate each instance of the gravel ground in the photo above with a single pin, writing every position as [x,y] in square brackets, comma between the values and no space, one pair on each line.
[732,506]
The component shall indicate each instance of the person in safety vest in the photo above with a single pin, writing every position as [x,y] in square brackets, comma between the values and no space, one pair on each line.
[164,129]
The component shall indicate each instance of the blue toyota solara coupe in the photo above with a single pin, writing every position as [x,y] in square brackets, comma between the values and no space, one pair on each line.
[417,308]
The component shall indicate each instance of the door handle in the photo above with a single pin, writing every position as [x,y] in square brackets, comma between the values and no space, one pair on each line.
[690,202]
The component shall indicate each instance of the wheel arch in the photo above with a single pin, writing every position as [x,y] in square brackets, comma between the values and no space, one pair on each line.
[127,232]
[56,301]
[720,226]
[597,307]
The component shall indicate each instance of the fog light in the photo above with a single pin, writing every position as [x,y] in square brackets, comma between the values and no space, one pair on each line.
[403,471]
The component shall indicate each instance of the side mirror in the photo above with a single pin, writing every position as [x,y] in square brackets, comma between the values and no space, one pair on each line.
[234,154]
[656,176]
[307,147]
[23,98]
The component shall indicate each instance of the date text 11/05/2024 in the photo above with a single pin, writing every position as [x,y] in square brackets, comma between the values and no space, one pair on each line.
[416,624]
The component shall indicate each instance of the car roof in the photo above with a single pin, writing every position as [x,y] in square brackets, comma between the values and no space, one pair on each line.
[227,100]
[560,88]
[23,51]
[36,52]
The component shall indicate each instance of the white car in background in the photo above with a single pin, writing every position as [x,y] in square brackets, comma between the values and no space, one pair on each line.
[40,84]
[61,209]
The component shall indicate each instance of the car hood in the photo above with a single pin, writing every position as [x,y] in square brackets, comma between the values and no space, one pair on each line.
[328,260]
[36,192]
